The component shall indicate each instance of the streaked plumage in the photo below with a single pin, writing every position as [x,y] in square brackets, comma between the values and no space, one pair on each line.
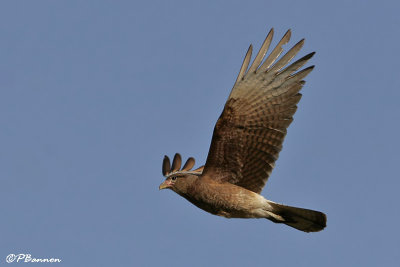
[246,142]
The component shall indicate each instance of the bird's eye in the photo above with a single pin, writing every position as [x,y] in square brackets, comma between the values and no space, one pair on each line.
[173,178]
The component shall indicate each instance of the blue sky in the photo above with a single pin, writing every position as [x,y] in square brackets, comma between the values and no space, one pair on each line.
[93,94]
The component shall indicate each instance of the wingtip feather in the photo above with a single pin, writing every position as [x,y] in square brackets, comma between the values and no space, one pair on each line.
[176,162]
[166,166]
[189,164]
[261,53]
[245,63]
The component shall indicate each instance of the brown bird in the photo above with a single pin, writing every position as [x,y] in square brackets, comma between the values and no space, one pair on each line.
[246,142]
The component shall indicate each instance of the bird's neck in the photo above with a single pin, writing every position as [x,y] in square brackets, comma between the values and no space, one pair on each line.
[186,185]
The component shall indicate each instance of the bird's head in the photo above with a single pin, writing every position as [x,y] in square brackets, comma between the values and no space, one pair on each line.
[177,178]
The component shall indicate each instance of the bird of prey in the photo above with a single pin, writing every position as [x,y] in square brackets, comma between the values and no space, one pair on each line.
[246,142]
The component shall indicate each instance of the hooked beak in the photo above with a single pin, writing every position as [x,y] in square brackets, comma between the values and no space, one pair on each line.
[164,185]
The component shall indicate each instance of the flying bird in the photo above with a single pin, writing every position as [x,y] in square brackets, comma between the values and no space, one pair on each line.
[246,142]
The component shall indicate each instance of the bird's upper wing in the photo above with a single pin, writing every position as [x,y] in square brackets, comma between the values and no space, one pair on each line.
[248,135]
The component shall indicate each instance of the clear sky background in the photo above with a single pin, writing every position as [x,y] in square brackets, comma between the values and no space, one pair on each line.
[93,94]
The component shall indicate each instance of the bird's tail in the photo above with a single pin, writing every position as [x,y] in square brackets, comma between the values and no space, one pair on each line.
[302,219]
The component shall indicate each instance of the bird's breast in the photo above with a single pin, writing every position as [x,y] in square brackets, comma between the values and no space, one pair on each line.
[223,199]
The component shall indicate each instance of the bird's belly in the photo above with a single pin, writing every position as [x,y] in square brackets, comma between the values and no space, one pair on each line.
[231,202]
